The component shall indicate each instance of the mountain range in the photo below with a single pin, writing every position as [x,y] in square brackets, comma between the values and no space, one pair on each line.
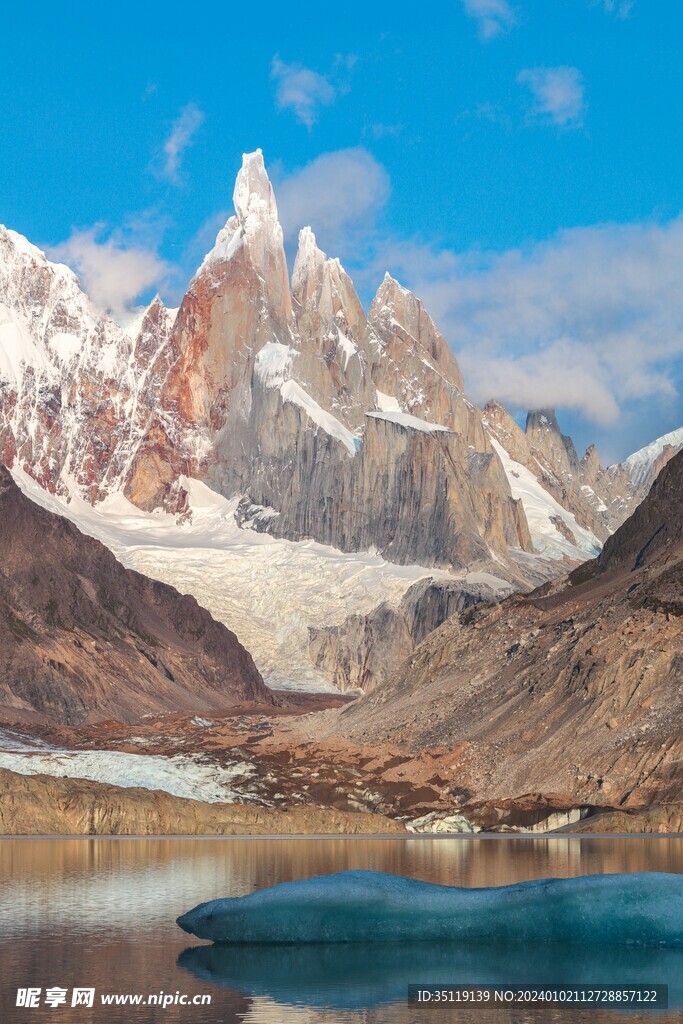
[327,423]
[317,478]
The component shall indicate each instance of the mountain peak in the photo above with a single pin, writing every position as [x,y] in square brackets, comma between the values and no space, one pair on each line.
[255,208]
[309,259]
[253,194]
[542,420]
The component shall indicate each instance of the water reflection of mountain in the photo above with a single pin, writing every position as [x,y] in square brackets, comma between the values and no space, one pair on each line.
[366,976]
[77,883]
[102,912]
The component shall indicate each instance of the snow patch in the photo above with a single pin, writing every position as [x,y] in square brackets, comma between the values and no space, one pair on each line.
[386,403]
[348,348]
[228,242]
[191,777]
[17,349]
[65,346]
[294,393]
[404,419]
[273,364]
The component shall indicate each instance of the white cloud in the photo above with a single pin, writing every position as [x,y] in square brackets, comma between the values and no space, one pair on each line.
[301,90]
[336,193]
[113,272]
[591,320]
[558,95]
[622,8]
[493,16]
[183,131]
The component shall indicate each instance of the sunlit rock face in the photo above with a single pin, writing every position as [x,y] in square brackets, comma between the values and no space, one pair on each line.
[272,397]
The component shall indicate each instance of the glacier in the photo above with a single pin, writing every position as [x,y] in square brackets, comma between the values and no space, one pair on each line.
[639,909]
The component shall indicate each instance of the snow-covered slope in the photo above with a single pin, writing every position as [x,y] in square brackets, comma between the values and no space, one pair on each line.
[554,531]
[642,464]
[268,591]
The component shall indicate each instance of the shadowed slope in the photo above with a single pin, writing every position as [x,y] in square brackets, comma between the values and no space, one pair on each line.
[83,638]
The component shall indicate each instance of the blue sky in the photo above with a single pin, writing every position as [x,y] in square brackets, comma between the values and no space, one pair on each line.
[517,162]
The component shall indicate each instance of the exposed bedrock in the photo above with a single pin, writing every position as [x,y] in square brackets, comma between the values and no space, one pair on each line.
[366,650]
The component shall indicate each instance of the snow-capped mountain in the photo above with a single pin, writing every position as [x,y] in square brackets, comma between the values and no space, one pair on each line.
[323,422]
[75,389]
[347,429]
[645,465]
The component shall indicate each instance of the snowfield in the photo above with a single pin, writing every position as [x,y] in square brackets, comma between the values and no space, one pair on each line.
[267,591]
[191,777]
[541,509]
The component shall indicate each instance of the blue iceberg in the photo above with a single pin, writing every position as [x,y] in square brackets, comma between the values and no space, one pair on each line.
[640,909]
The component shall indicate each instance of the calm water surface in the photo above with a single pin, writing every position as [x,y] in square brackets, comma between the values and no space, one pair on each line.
[100,913]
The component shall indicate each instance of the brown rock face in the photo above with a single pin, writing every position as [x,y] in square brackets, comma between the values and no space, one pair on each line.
[82,638]
[367,650]
[575,689]
[43,805]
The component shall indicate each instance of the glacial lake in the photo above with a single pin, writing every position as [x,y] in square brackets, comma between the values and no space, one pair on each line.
[100,913]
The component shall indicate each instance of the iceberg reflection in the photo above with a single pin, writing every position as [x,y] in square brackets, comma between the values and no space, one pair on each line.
[368,975]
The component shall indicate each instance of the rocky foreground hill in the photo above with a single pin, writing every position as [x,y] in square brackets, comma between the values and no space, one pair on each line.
[83,638]
[575,689]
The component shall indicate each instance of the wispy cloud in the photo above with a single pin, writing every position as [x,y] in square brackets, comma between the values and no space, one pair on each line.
[301,90]
[184,129]
[336,193]
[494,17]
[621,8]
[382,131]
[114,271]
[591,320]
[558,95]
